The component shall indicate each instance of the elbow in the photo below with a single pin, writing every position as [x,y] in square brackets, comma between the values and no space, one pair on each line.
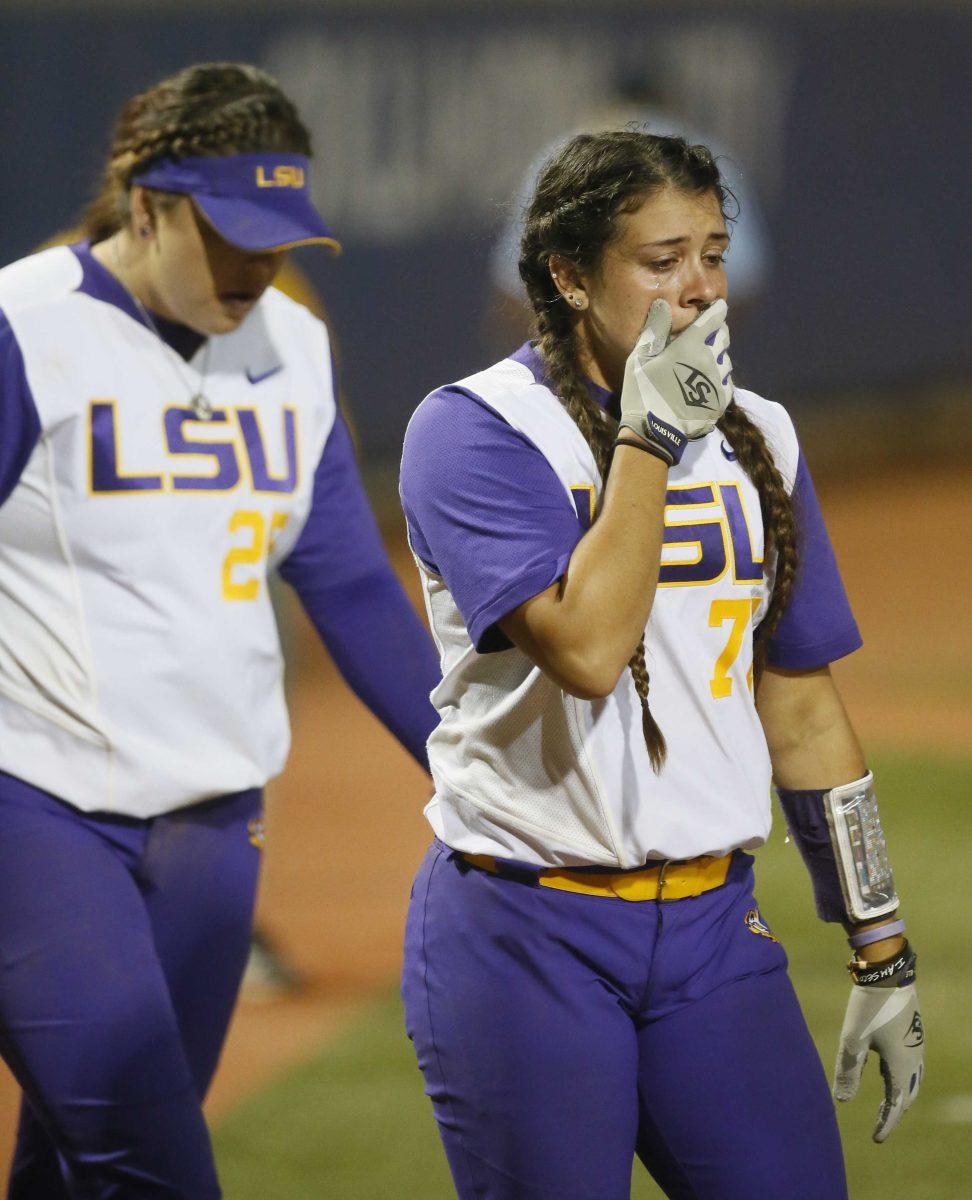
[585,663]
[582,690]
[589,676]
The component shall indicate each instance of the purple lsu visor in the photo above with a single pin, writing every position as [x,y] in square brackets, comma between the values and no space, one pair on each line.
[255,201]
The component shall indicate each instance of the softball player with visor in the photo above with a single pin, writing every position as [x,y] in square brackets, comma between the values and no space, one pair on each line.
[636,604]
[169,436]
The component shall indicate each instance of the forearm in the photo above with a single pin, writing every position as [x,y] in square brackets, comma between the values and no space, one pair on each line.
[339,567]
[811,741]
[584,629]
[614,569]
[383,651]
[813,748]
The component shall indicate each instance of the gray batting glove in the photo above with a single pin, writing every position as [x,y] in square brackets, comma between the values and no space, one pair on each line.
[882,1015]
[675,391]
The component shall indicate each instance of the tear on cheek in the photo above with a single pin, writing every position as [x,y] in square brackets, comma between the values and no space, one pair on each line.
[669,280]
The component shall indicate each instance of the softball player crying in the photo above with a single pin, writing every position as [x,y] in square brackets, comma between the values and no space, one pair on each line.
[169,437]
[636,604]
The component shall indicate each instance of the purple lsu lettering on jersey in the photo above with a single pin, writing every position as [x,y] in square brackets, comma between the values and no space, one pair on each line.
[719,508]
[105,453]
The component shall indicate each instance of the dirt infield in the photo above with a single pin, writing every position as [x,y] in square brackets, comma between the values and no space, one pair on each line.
[345,830]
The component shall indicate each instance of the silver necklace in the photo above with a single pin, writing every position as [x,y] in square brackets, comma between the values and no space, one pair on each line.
[200,405]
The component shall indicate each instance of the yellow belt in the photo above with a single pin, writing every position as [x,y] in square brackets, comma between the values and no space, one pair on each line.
[667,881]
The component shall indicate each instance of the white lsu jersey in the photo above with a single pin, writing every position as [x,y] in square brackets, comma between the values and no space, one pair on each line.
[140,666]
[524,770]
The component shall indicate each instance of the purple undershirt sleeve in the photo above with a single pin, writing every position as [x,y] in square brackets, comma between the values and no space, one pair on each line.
[19,423]
[807,823]
[485,510]
[340,570]
[818,625]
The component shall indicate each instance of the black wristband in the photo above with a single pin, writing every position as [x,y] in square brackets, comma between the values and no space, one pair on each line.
[648,447]
[893,972]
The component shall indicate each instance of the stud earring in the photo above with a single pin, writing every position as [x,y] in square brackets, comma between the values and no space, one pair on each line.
[578,302]
[145,231]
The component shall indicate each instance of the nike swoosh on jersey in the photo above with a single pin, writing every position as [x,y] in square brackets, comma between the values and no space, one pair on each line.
[259,378]
[730,454]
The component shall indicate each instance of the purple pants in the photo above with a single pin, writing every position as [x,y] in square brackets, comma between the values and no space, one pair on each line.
[122,945]
[560,1035]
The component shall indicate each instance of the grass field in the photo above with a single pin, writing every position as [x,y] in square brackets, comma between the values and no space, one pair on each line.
[353,1123]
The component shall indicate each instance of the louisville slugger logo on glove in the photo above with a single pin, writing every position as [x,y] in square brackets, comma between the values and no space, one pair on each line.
[698,391]
[675,391]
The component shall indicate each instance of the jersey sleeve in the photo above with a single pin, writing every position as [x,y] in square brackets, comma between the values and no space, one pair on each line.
[485,510]
[19,422]
[818,626]
[340,570]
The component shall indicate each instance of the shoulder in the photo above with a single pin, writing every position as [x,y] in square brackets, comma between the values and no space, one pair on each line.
[512,399]
[279,304]
[283,331]
[458,413]
[777,427]
[39,279]
[293,320]
[496,438]
[499,388]
[452,432]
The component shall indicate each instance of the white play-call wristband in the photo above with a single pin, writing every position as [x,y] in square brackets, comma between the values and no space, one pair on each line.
[861,852]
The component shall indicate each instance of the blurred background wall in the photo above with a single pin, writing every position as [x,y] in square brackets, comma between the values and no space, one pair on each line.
[847,120]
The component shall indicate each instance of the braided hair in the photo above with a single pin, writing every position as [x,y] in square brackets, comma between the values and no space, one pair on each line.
[581,193]
[206,109]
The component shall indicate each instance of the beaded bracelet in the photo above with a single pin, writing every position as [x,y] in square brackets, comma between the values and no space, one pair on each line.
[876,934]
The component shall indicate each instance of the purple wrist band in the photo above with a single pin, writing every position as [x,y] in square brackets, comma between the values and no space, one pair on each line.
[877,934]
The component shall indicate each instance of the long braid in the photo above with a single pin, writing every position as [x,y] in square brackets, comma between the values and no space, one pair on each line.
[207,109]
[654,738]
[779,521]
[557,350]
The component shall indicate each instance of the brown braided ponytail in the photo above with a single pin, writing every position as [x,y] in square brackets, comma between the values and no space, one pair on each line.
[581,193]
[779,522]
[206,109]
